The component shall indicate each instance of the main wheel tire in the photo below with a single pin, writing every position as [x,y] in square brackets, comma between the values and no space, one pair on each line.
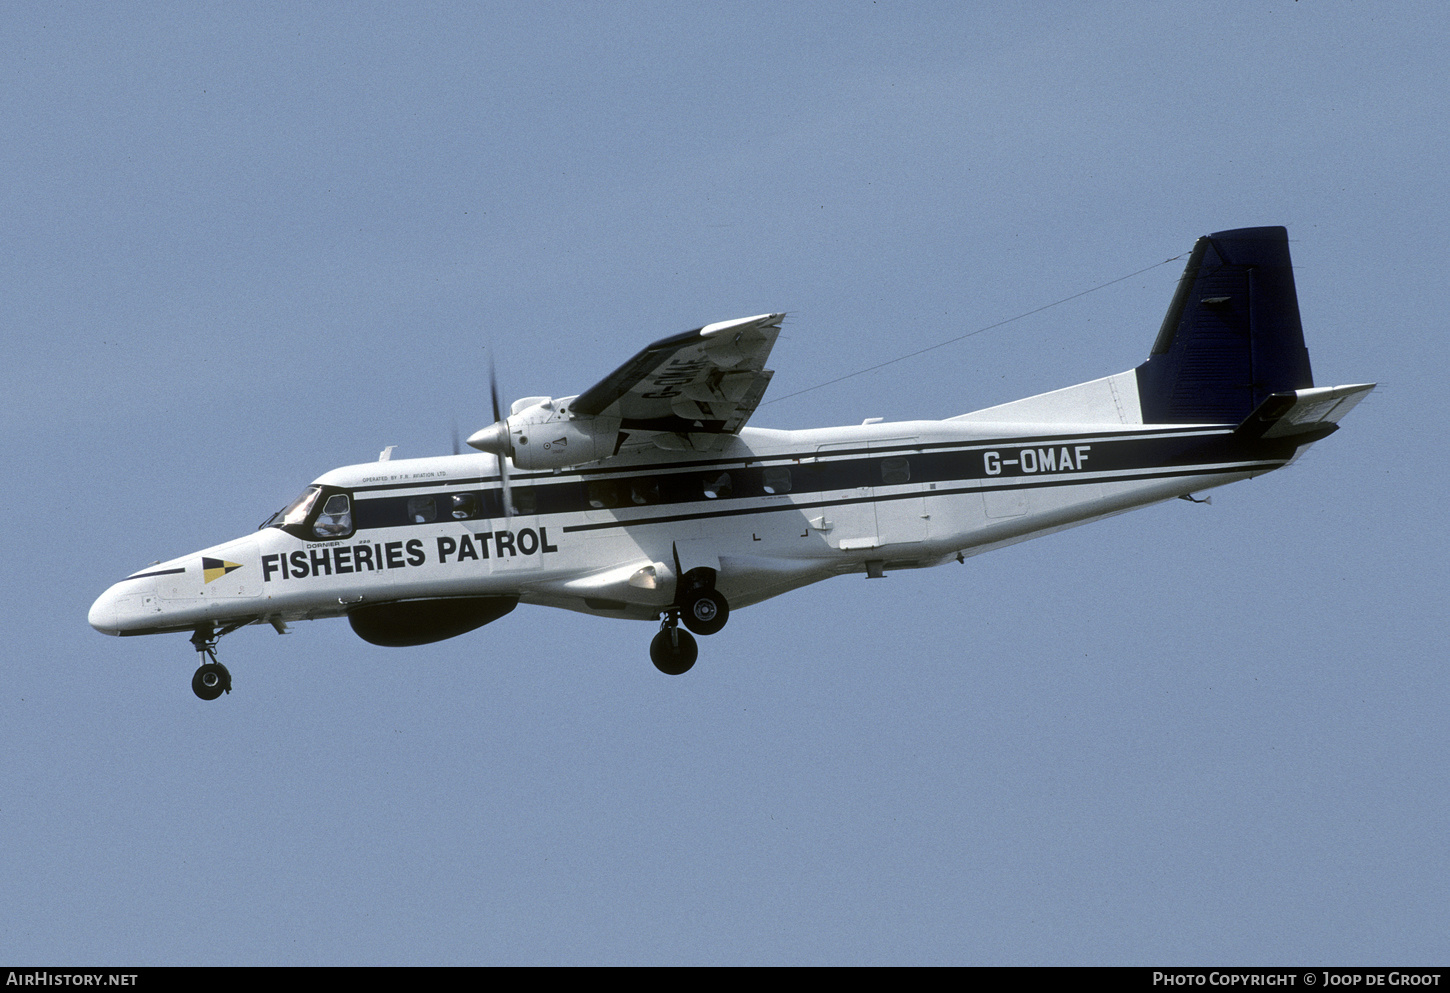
[211,681]
[673,658]
[706,612]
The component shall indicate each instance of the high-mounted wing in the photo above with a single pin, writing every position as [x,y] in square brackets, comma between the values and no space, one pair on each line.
[688,392]
[703,382]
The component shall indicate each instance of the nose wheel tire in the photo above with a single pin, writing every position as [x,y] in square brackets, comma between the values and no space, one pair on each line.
[706,612]
[211,681]
[673,651]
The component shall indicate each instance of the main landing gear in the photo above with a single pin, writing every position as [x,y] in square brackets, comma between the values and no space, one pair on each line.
[211,679]
[704,611]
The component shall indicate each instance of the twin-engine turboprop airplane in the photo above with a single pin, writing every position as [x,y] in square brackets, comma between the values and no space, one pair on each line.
[646,497]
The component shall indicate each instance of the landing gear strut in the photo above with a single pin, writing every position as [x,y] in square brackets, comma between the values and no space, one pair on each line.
[704,611]
[211,679]
[673,651]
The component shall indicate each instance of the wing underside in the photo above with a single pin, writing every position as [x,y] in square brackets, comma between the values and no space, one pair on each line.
[701,385]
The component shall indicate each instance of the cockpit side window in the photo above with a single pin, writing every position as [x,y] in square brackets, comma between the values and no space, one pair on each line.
[320,512]
[295,512]
[335,521]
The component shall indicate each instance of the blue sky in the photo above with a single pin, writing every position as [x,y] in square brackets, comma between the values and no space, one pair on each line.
[247,243]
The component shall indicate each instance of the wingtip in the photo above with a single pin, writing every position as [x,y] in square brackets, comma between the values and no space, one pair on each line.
[759,320]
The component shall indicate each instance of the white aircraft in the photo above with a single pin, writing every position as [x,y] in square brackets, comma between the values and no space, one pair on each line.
[646,497]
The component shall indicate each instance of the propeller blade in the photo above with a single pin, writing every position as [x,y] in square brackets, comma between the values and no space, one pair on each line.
[500,423]
[457,448]
[493,389]
[508,496]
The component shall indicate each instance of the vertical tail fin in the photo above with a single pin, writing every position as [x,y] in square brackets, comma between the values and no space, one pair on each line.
[1232,334]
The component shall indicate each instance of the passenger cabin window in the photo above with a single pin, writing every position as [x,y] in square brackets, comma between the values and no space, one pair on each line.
[644,491]
[465,506]
[525,500]
[894,471]
[336,518]
[602,493]
[777,479]
[718,487]
[421,510]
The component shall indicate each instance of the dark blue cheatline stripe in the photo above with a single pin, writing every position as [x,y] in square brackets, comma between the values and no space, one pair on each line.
[922,494]
[1038,461]
[158,572]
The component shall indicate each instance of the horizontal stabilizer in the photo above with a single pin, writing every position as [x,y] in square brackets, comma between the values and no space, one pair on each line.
[1302,412]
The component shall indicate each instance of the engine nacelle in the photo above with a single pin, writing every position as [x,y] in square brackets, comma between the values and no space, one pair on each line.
[546,436]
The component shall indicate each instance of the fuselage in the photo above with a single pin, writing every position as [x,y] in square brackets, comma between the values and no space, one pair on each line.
[647,496]
[772,511]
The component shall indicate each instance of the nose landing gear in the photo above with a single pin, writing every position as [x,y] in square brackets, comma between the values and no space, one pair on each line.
[673,651]
[211,679]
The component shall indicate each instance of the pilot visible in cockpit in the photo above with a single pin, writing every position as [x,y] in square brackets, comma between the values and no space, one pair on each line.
[335,519]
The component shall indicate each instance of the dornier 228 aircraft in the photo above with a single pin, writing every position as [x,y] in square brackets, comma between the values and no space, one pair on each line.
[646,496]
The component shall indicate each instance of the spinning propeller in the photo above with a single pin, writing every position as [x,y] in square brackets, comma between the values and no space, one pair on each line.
[495,439]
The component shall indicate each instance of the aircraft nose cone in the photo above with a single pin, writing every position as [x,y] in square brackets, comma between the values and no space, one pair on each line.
[494,438]
[105,615]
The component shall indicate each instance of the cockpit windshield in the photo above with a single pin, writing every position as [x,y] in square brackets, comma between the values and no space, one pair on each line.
[295,512]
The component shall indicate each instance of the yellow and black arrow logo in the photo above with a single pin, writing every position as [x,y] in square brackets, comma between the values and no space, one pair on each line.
[216,568]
